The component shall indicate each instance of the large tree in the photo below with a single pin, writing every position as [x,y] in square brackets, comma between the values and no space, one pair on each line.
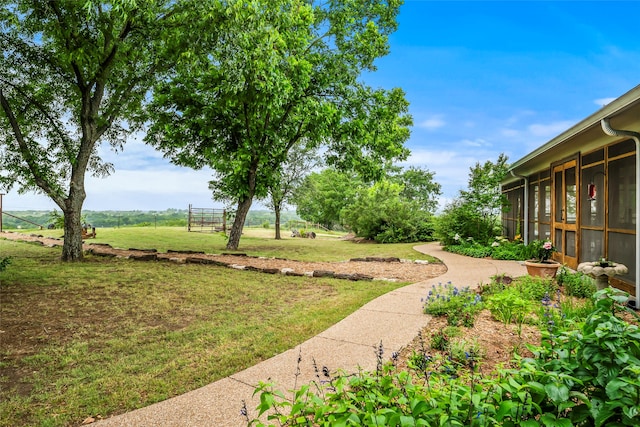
[278,71]
[72,74]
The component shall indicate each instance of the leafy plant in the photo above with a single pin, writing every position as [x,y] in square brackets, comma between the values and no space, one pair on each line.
[509,250]
[586,375]
[440,340]
[535,288]
[509,306]
[465,352]
[541,250]
[381,213]
[459,305]
[576,284]
[471,249]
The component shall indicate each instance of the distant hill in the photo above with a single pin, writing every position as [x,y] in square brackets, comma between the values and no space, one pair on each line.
[104,219]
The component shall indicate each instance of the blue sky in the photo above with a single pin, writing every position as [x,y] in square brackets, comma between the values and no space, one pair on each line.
[483,78]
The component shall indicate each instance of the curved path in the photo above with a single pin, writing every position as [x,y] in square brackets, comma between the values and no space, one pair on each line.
[393,319]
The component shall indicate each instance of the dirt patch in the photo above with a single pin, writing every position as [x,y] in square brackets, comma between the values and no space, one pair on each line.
[497,341]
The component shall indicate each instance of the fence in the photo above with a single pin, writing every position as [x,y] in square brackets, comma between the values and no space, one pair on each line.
[300,224]
[208,219]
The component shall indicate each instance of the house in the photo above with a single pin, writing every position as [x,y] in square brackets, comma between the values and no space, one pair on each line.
[579,190]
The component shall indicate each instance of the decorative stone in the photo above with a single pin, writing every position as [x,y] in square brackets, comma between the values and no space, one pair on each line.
[602,273]
[144,257]
[323,273]
[293,273]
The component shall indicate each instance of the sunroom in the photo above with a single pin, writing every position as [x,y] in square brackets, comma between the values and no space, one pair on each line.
[579,191]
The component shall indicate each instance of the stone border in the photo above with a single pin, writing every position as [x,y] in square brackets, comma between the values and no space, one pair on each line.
[191,257]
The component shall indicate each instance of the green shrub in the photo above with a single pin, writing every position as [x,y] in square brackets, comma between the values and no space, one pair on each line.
[589,375]
[461,220]
[440,341]
[464,352]
[576,284]
[380,213]
[266,224]
[510,250]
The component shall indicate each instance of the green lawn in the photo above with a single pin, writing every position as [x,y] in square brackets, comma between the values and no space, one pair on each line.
[110,335]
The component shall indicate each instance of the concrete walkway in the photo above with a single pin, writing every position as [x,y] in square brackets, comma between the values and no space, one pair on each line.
[393,319]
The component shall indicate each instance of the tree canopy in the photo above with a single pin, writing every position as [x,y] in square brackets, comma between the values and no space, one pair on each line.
[260,75]
[72,74]
[323,195]
[419,186]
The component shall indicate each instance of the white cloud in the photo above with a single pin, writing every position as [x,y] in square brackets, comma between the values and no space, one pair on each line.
[509,133]
[451,167]
[478,142]
[434,122]
[549,130]
[601,102]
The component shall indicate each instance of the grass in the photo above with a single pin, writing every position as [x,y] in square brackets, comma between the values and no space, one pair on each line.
[107,336]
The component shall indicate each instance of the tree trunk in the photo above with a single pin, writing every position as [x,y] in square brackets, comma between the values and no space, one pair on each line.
[276,209]
[238,223]
[72,247]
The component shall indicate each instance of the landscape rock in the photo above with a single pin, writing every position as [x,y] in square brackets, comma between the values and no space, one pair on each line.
[323,273]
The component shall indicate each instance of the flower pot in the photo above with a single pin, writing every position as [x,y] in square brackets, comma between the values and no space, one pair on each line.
[547,269]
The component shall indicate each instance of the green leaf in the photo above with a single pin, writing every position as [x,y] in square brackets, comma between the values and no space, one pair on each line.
[406,421]
[614,389]
[504,409]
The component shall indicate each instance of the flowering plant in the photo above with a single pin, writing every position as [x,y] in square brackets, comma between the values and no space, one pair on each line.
[542,250]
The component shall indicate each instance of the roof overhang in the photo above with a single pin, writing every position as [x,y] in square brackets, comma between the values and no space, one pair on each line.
[585,136]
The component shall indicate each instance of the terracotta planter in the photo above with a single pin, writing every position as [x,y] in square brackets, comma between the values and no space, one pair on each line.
[547,269]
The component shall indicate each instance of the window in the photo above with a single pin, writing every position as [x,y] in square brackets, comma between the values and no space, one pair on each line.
[593,196]
[622,194]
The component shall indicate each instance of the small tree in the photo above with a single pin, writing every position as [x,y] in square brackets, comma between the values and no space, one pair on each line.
[484,196]
[476,212]
[300,161]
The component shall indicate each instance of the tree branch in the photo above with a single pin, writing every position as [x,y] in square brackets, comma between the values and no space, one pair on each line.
[26,152]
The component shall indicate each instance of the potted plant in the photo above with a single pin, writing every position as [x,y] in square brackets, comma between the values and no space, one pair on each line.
[541,264]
